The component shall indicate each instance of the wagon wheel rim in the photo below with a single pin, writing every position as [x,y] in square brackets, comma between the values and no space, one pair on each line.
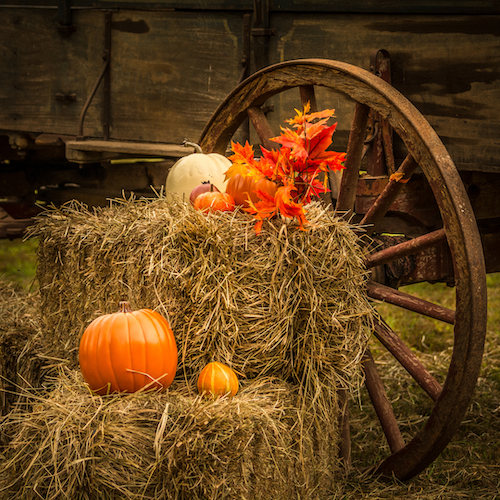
[459,226]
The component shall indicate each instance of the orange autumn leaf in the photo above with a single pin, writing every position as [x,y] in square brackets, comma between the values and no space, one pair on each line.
[289,208]
[398,177]
[264,209]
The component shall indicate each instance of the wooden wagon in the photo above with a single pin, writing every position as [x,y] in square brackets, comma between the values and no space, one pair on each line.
[91,92]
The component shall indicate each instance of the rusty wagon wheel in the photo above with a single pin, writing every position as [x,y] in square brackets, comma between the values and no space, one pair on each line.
[456,229]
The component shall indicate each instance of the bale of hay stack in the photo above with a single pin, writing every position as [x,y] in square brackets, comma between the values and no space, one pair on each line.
[21,353]
[286,305]
[172,445]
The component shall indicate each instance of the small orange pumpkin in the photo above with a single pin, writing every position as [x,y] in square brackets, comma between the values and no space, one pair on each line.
[218,379]
[213,201]
[127,351]
[243,187]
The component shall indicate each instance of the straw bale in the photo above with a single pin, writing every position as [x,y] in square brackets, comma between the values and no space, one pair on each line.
[287,303]
[172,445]
[21,353]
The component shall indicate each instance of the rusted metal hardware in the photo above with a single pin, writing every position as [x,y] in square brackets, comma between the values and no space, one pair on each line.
[245,58]
[379,153]
[65,97]
[103,74]
[261,31]
[65,24]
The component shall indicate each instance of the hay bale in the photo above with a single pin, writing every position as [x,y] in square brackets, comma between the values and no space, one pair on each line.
[172,445]
[286,305]
[21,353]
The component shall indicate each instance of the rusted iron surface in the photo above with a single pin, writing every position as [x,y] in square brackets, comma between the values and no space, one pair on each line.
[380,144]
[409,247]
[408,359]
[411,206]
[386,197]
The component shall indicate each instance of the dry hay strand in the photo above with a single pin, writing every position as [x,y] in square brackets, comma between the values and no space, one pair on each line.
[171,445]
[21,346]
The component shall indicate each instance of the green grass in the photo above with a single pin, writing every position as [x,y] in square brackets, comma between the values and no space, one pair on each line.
[469,467]
[18,262]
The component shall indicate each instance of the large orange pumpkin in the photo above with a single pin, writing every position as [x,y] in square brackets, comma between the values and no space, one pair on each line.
[242,187]
[218,379]
[127,351]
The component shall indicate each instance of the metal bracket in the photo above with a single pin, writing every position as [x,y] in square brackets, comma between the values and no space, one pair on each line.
[380,153]
[65,24]
[61,96]
[264,32]
[104,73]
[261,31]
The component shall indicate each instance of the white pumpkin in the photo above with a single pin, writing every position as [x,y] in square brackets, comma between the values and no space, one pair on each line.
[195,169]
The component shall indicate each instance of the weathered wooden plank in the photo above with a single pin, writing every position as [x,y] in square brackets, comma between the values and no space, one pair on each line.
[168,79]
[447,66]
[361,6]
[77,150]
[38,63]
[170,70]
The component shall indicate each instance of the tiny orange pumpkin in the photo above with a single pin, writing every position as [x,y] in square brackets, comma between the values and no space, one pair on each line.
[127,351]
[213,201]
[217,379]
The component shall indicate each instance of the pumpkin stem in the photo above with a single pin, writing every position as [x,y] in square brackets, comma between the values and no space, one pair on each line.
[197,147]
[124,306]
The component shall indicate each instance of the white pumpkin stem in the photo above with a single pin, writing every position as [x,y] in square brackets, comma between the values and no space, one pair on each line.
[124,306]
[197,147]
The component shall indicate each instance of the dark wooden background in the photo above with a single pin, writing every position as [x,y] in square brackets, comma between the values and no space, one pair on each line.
[171,68]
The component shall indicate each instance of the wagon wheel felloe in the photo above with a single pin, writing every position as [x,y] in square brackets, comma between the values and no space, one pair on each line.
[456,229]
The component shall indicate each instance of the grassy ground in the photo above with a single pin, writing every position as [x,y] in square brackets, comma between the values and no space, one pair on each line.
[469,468]
[18,262]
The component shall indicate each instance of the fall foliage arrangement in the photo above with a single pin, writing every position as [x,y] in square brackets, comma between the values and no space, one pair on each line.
[298,168]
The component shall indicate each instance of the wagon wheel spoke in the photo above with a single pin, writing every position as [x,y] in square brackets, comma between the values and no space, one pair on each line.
[382,204]
[308,95]
[407,359]
[409,302]
[381,404]
[261,126]
[406,248]
[354,155]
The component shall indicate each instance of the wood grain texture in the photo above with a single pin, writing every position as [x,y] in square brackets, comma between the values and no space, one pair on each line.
[37,63]
[170,70]
[447,66]
[167,81]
